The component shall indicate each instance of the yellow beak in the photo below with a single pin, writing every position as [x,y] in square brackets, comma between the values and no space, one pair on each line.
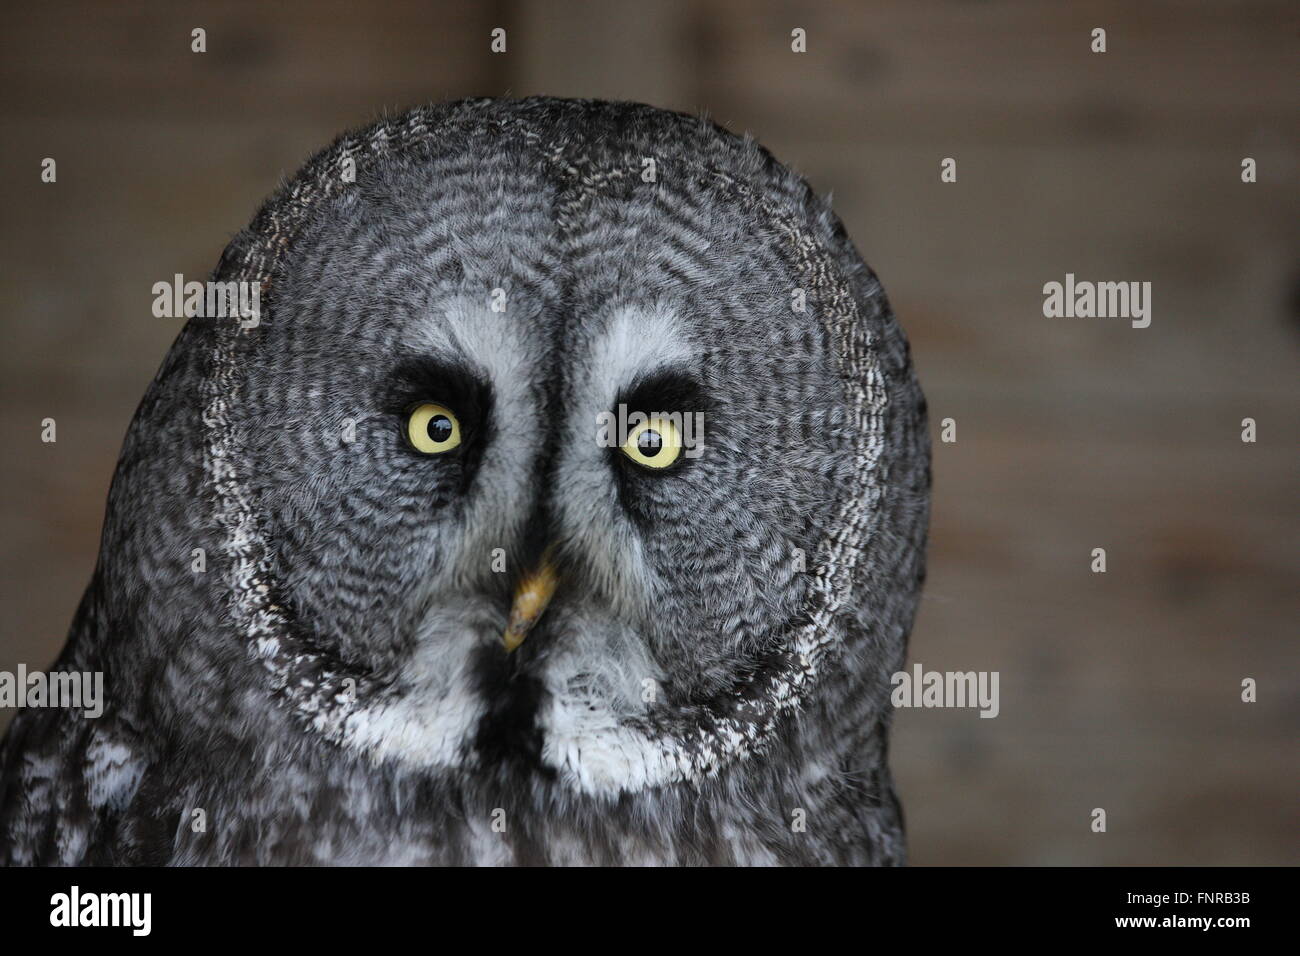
[532,594]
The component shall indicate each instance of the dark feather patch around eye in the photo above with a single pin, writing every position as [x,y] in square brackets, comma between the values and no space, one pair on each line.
[664,391]
[433,380]
[453,385]
[667,390]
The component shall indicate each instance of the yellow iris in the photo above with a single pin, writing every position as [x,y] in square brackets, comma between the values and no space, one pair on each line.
[432,428]
[655,443]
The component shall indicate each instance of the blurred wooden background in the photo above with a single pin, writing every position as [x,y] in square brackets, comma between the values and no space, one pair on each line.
[1118,690]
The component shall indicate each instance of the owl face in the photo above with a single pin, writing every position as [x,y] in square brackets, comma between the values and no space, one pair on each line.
[450,398]
[544,467]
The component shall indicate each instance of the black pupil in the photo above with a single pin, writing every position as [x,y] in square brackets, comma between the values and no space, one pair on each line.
[649,443]
[440,428]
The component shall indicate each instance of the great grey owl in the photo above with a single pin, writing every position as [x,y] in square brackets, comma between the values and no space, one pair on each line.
[423,566]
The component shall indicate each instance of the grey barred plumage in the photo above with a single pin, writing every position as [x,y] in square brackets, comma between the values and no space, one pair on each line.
[709,683]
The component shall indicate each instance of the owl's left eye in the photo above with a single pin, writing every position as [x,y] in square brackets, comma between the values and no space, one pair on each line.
[432,428]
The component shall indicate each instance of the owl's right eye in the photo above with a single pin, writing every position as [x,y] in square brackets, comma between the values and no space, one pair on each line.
[432,428]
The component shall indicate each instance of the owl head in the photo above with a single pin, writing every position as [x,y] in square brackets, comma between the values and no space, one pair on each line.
[572,444]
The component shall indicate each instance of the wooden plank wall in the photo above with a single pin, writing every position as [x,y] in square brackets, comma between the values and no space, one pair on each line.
[1118,690]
